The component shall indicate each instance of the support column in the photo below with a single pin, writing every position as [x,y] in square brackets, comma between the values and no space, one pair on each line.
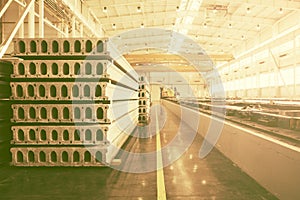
[73,27]
[59,34]
[21,29]
[31,25]
[1,32]
[244,76]
[277,80]
[81,30]
[294,95]
[257,77]
[15,29]
[66,30]
[41,19]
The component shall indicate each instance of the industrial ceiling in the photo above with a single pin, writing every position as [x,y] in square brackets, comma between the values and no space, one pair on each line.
[219,27]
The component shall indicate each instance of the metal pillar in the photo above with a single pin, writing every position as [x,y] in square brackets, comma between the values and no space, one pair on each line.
[21,29]
[294,95]
[81,30]
[1,32]
[31,25]
[6,43]
[73,27]
[46,21]
[66,30]
[41,18]
[5,8]
[277,68]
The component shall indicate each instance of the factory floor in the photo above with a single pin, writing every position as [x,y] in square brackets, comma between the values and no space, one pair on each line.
[214,177]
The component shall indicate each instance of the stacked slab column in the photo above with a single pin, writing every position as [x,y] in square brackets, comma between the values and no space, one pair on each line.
[66,97]
[144,101]
[5,114]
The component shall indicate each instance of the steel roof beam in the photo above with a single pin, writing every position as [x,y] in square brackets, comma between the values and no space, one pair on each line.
[284,4]
[174,14]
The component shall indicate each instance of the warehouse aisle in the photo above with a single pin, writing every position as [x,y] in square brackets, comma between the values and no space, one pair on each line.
[214,177]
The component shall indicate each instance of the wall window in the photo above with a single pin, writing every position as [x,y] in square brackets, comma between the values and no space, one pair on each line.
[298,74]
[288,76]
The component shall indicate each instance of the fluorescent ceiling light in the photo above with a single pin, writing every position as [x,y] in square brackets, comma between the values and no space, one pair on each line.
[215,10]
[248,10]
[105,9]
[280,11]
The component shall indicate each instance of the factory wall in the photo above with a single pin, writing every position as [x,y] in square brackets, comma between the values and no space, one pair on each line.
[155,92]
[270,71]
[187,84]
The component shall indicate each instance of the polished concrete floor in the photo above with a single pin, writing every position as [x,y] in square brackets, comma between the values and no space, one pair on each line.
[214,177]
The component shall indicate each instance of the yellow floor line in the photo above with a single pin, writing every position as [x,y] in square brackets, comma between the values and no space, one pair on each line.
[161,189]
